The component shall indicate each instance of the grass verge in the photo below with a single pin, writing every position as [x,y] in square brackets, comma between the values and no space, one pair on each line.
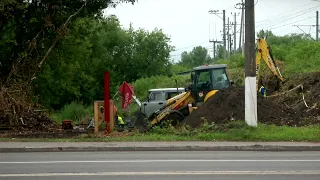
[234,131]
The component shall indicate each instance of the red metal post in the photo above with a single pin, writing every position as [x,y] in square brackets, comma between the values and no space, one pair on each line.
[107,101]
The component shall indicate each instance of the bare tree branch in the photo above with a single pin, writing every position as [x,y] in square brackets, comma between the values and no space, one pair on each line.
[30,48]
[56,40]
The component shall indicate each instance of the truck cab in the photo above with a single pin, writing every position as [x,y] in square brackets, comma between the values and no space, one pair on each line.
[157,98]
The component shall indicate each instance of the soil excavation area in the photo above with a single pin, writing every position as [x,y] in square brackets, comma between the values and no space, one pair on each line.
[294,102]
[285,106]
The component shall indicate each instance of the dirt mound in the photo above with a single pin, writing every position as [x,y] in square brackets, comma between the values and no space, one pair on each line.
[229,104]
[301,92]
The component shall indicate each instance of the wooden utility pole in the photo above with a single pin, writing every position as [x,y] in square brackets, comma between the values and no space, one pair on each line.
[250,65]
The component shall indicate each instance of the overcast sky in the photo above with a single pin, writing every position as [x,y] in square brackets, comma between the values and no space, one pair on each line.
[189,24]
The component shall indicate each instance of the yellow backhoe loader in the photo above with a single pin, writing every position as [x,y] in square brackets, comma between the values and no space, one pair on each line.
[206,81]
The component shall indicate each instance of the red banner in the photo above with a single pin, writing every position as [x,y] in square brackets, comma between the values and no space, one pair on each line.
[126,91]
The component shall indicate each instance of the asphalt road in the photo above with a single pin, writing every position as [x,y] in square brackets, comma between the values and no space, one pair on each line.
[161,165]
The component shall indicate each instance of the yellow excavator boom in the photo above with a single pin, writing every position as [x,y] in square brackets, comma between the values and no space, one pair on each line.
[264,52]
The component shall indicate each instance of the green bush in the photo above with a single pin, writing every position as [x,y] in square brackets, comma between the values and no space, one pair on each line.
[74,111]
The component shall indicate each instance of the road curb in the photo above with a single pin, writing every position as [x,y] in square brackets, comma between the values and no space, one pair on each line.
[162,148]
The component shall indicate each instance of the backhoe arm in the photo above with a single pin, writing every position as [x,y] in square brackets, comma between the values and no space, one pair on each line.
[173,104]
[264,52]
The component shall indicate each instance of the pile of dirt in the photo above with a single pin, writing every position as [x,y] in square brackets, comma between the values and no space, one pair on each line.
[301,93]
[229,104]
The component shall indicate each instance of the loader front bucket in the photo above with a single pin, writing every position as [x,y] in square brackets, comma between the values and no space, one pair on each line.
[142,123]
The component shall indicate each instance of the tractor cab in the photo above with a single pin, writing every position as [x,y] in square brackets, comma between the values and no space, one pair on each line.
[207,78]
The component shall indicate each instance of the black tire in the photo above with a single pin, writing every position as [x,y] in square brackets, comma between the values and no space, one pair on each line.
[174,118]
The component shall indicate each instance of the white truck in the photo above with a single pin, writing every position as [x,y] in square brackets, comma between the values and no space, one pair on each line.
[156,99]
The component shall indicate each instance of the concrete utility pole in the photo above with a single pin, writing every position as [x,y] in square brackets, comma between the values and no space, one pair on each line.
[250,66]
[235,34]
[241,27]
[224,33]
[317,26]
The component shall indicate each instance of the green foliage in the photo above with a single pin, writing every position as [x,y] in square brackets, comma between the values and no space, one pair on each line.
[264,34]
[74,111]
[178,68]
[233,131]
[197,57]
[298,52]
[75,68]
[219,52]
[41,22]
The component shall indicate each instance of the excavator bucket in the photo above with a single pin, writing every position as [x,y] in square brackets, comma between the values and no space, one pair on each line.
[141,123]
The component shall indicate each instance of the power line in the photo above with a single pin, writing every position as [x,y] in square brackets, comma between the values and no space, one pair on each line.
[292,23]
[281,15]
[280,21]
[304,32]
[186,47]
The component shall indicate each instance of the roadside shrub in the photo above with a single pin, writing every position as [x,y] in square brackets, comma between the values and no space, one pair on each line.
[74,111]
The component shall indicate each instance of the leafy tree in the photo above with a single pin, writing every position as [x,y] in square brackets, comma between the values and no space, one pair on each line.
[198,56]
[29,32]
[219,52]
[264,34]
[74,71]
[30,29]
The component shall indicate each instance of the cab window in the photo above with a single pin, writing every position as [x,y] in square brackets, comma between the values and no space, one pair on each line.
[203,79]
[220,79]
[155,96]
[171,95]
